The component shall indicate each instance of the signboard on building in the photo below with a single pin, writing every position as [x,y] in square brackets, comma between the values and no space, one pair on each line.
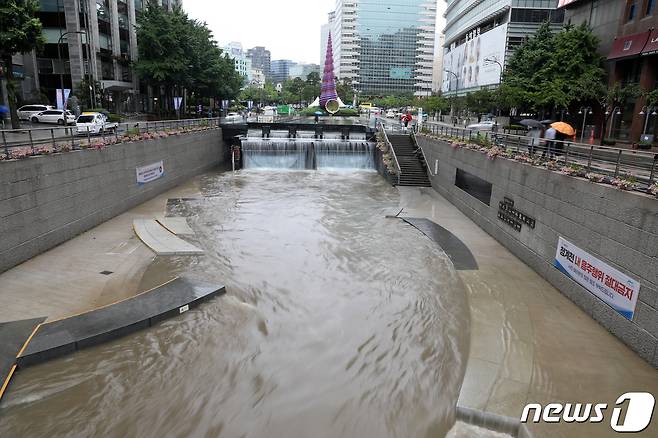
[151,172]
[467,61]
[400,73]
[563,3]
[613,287]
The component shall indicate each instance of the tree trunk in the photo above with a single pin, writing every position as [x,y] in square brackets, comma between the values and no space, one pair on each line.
[11,92]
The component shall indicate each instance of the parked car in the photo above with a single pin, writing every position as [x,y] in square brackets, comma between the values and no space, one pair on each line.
[54,116]
[390,114]
[233,117]
[27,111]
[487,125]
[94,123]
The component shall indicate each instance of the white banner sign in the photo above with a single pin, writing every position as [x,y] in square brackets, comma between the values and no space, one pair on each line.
[616,289]
[467,61]
[62,99]
[150,173]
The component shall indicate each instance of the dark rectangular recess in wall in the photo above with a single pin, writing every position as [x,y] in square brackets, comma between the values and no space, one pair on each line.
[474,186]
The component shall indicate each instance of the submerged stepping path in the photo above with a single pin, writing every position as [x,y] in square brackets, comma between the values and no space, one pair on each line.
[14,336]
[460,255]
[56,338]
[177,225]
[161,240]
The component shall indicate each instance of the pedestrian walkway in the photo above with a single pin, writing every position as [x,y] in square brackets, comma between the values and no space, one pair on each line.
[101,266]
[529,343]
[162,241]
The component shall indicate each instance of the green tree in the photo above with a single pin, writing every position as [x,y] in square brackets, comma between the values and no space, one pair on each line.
[345,91]
[20,32]
[652,97]
[550,71]
[177,53]
[313,78]
[480,101]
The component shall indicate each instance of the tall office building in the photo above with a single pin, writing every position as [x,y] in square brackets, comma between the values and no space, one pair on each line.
[243,64]
[261,59]
[479,30]
[104,50]
[385,46]
[281,70]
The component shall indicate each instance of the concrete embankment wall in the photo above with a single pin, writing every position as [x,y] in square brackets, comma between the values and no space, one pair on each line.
[47,200]
[620,228]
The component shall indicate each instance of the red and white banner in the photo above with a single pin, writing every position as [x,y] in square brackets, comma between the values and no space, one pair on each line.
[616,289]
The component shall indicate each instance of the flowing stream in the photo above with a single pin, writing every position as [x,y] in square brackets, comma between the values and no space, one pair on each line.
[338,322]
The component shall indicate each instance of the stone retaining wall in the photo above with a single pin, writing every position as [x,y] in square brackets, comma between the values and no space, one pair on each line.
[47,200]
[620,228]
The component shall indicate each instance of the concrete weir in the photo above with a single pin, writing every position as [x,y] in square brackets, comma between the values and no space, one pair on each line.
[43,341]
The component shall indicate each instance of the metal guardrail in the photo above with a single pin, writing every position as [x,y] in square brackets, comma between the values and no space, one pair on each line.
[35,141]
[607,161]
[427,164]
[390,146]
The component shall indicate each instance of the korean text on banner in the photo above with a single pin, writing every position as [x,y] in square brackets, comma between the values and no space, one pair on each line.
[613,287]
[150,172]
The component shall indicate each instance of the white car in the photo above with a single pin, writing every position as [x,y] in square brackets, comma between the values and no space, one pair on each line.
[487,125]
[54,116]
[233,117]
[27,111]
[94,123]
[390,114]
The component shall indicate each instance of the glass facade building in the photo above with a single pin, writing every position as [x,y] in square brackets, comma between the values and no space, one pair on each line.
[385,46]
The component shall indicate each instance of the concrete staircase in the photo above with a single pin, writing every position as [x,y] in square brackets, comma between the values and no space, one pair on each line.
[412,163]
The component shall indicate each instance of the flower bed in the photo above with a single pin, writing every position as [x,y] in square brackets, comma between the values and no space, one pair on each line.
[97,142]
[622,181]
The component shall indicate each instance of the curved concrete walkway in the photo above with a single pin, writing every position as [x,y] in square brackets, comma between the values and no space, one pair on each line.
[161,240]
[69,278]
[529,343]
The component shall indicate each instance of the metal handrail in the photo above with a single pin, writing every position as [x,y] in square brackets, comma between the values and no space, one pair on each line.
[427,164]
[62,135]
[609,161]
[390,146]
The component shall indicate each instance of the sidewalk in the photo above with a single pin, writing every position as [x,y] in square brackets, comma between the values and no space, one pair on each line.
[529,343]
[68,279]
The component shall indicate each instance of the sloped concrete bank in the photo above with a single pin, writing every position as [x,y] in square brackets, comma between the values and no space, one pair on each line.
[47,200]
[619,228]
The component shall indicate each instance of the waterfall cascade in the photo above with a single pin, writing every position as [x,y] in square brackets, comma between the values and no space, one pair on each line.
[278,153]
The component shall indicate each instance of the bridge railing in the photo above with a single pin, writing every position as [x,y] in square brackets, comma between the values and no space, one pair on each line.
[19,143]
[639,168]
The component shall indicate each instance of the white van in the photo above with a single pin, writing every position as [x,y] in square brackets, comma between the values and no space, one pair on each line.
[27,111]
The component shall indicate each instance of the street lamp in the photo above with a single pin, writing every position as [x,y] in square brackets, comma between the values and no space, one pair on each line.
[648,110]
[615,112]
[61,65]
[584,111]
[456,87]
[491,60]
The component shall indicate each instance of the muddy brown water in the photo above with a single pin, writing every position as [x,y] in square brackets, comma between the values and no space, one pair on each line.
[338,322]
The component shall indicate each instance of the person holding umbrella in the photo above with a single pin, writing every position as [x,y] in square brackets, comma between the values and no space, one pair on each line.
[535,132]
[562,132]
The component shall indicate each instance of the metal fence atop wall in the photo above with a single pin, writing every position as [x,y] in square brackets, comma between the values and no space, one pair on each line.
[638,165]
[18,143]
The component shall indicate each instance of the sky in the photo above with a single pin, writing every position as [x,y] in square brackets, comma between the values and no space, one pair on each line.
[290,29]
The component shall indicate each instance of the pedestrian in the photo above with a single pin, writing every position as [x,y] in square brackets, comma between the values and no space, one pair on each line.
[549,149]
[407,119]
[534,134]
[317,118]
